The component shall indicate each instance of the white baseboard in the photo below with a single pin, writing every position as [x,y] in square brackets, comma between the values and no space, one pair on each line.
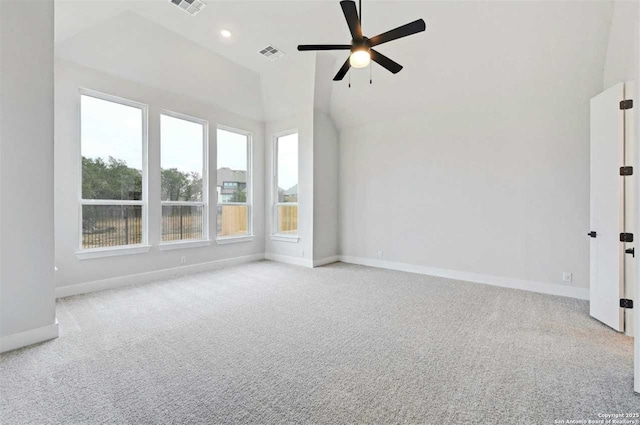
[325,261]
[505,282]
[541,287]
[33,336]
[99,285]
[289,260]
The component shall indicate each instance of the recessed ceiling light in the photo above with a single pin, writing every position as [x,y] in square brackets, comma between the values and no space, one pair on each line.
[225,33]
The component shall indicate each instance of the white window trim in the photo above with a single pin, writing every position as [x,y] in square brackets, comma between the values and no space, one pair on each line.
[177,244]
[184,244]
[143,246]
[285,238]
[112,251]
[223,240]
[275,236]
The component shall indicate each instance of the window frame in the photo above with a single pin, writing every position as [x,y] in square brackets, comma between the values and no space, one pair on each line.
[221,240]
[143,246]
[275,235]
[205,182]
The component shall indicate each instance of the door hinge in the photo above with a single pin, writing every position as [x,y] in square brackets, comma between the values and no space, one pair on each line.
[626,170]
[626,237]
[626,104]
[626,303]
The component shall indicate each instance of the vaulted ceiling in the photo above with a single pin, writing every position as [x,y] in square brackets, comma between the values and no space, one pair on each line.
[470,50]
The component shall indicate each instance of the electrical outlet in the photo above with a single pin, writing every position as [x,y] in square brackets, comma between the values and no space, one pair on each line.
[183,260]
[380,254]
[567,277]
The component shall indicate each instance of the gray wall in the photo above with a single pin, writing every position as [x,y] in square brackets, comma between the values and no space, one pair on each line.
[27,300]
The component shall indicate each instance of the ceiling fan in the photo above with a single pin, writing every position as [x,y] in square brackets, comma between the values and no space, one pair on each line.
[361,46]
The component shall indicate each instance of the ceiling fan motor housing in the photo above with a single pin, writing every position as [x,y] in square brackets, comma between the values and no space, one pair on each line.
[360,44]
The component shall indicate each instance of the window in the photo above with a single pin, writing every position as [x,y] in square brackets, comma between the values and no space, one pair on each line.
[286,185]
[183,172]
[113,148]
[234,183]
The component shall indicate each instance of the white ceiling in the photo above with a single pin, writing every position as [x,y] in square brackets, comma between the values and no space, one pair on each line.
[253,25]
[470,48]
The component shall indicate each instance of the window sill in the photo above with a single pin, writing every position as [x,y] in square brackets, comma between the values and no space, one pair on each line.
[285,238]
[168,246]
[112,252]
[234,239]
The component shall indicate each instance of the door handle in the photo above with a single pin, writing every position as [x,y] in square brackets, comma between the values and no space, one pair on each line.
[631,251]
[592,234]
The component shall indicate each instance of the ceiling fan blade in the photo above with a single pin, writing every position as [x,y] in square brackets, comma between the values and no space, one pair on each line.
[307,47]
[385,62]
[394,34]
[351,15]
[343,71]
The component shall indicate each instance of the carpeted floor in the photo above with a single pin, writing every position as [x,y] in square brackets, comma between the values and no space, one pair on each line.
[271,343]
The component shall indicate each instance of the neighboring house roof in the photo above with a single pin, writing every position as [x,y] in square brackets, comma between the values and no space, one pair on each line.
[228,175]
[293,190]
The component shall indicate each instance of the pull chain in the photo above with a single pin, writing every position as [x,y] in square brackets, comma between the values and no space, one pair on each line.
[370,78]
[349,79]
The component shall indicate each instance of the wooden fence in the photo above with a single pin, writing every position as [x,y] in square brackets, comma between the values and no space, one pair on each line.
[288,219]
[233,220]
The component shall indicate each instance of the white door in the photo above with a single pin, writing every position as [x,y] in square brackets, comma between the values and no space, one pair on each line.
[607,207]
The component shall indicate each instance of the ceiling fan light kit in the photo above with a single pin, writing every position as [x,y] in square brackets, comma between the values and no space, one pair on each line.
[361,47]
[360,58]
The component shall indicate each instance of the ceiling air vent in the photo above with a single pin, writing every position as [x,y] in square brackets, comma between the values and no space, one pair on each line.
[271,53]
[192,7]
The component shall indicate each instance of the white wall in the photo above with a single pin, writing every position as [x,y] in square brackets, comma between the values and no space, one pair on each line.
[69,79]
[288,91]
[484,170]
[502,194]
[621,62]
[27,301]
[479,106]
[325,187]
[296,95]
[325,164]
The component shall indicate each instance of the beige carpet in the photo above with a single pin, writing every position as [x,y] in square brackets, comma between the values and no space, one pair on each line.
[270,343]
